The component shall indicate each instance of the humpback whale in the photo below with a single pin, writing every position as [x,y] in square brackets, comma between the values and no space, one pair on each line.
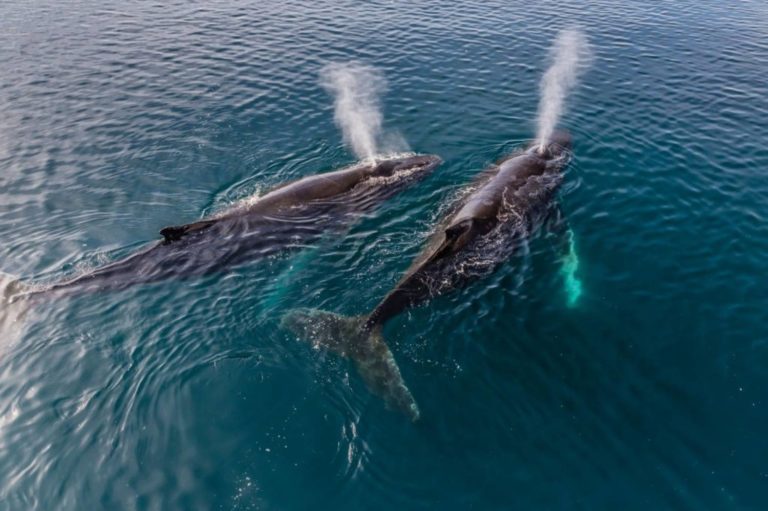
[481,230]
[290,215]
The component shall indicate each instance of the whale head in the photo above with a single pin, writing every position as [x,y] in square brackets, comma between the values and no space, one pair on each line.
[410,165]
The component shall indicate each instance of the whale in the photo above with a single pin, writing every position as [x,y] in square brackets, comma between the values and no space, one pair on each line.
[291,215]
[505,204]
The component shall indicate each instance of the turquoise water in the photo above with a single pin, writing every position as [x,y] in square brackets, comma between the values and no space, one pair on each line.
[649,392]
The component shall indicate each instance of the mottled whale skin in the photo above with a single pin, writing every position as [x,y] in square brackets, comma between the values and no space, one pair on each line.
[481,230]
[290,215]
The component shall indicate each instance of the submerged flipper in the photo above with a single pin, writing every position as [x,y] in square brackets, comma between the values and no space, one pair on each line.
[573,288]
[176,232]
[566,242]
[348,337]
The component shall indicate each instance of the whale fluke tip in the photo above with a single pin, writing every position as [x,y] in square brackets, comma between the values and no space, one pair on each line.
[349,337]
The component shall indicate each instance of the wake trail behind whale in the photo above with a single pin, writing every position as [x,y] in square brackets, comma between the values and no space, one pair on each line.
[357,89]
[571,55]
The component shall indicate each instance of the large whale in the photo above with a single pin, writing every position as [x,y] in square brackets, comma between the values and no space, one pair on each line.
[482,229]
[290,215]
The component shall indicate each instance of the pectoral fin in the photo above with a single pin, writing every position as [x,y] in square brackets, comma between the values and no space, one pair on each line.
[565,239]
[455,237]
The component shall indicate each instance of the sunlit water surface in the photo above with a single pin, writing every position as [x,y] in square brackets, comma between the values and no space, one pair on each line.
[117,119]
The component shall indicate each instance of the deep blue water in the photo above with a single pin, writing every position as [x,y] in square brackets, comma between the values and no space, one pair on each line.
[117,119]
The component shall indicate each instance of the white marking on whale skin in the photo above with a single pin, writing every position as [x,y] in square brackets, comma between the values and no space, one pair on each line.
[397,176]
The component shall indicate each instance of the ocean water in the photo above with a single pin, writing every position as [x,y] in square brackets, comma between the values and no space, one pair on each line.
[650,392]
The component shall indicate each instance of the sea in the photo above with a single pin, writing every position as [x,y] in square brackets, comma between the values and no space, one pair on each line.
[630,375]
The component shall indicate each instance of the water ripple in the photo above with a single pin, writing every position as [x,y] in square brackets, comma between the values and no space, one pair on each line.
[119,119]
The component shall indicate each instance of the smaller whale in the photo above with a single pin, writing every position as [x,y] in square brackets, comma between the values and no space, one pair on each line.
[482,229]
[290,215]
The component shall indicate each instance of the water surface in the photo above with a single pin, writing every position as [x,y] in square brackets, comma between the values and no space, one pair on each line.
[119,119]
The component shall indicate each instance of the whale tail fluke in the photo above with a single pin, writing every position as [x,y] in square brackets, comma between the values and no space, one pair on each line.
[10,287]
[348,336]
[13,305]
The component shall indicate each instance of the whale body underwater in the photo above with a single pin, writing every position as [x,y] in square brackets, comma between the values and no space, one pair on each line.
[288,216]
[481,230]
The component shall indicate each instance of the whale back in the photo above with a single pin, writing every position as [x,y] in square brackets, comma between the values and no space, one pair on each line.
[483,230]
